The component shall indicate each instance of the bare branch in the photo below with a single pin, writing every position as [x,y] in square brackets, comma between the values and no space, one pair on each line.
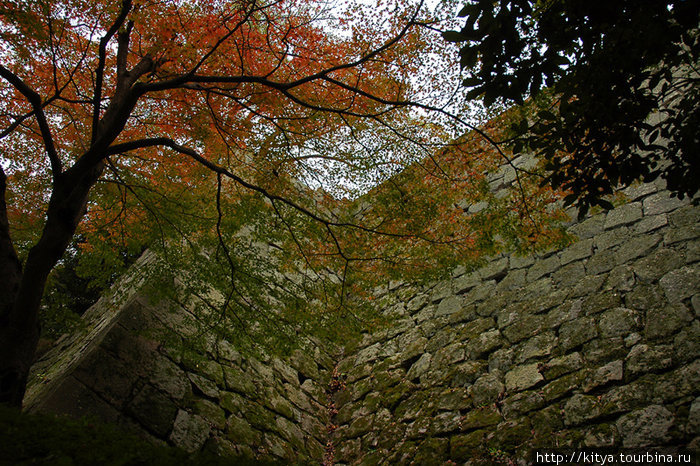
[35,101]
[99,73]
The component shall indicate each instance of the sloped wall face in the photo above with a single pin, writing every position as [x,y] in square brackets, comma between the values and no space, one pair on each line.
[597,345]
[214,398]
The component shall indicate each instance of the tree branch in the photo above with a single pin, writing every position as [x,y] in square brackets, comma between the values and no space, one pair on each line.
[34,100]
[99,73]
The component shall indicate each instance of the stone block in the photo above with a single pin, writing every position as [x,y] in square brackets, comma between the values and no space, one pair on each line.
[523,377]
[577,332]
[663,322]
[645,427]
[660,203]
[487,389]
[561,365]
[618,321]
[623,215]
[643,359]
[580,409]
[190,431]
[637,246]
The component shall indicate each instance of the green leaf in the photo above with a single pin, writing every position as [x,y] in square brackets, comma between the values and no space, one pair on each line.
[453,36]
[471,82]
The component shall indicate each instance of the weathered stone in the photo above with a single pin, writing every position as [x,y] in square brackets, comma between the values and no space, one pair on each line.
[642,359]
[562,365]
[205,386]
[522,403]
[481,417]
[686,343]
[189,431]
[543,268]
[601,436]
[226,351]
[232,402]
[480,293]
[281,406]
[239,381]
[682,234]
[652,267]
[570,274]
[660,203]
[289,431]
[484,344]
[611,238]
[486,389]
[109,377]
[417,303]
[209,369]
[494,269]
[525,327]
[448,306]
[587,285]
[590,227]
[569,310]
[449,421]
[601,302]
[652,223]
[580,409]
[537,346]
[515,279]
[258,416]
[679,383]
[168,377]
[275,445]
[602,350]
[579,250]
[638,246]
[213,414]
[563,386]
[639,190]
[523,377]
[305,364]
[441,291]
[662,322]
[153,410]
[682,283]
[619,321]
[577,332]
[520,262]
[610,372]
[600,262]
[419,367]
[463,447]
[621,278]
[239,431]
[466,373]
[694,417]
[644,427]
[623,215]
[645,297]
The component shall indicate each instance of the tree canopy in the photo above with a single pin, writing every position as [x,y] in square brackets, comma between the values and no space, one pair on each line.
[611,88]
[283,157]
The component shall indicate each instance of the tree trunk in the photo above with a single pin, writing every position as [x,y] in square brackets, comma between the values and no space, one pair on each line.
[22,290]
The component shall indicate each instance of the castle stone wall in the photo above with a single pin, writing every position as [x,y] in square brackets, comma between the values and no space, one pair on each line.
[596,345]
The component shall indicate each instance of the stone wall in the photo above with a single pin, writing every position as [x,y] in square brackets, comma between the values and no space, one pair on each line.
[141,374]
[596,345]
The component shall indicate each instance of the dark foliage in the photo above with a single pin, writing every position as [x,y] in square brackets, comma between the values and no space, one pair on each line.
[48,440]
[614,87]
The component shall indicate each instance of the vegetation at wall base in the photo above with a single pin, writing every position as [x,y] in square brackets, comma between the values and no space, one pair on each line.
[41,439]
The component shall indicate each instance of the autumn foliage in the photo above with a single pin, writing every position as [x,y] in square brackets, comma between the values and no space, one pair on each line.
[289,154]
